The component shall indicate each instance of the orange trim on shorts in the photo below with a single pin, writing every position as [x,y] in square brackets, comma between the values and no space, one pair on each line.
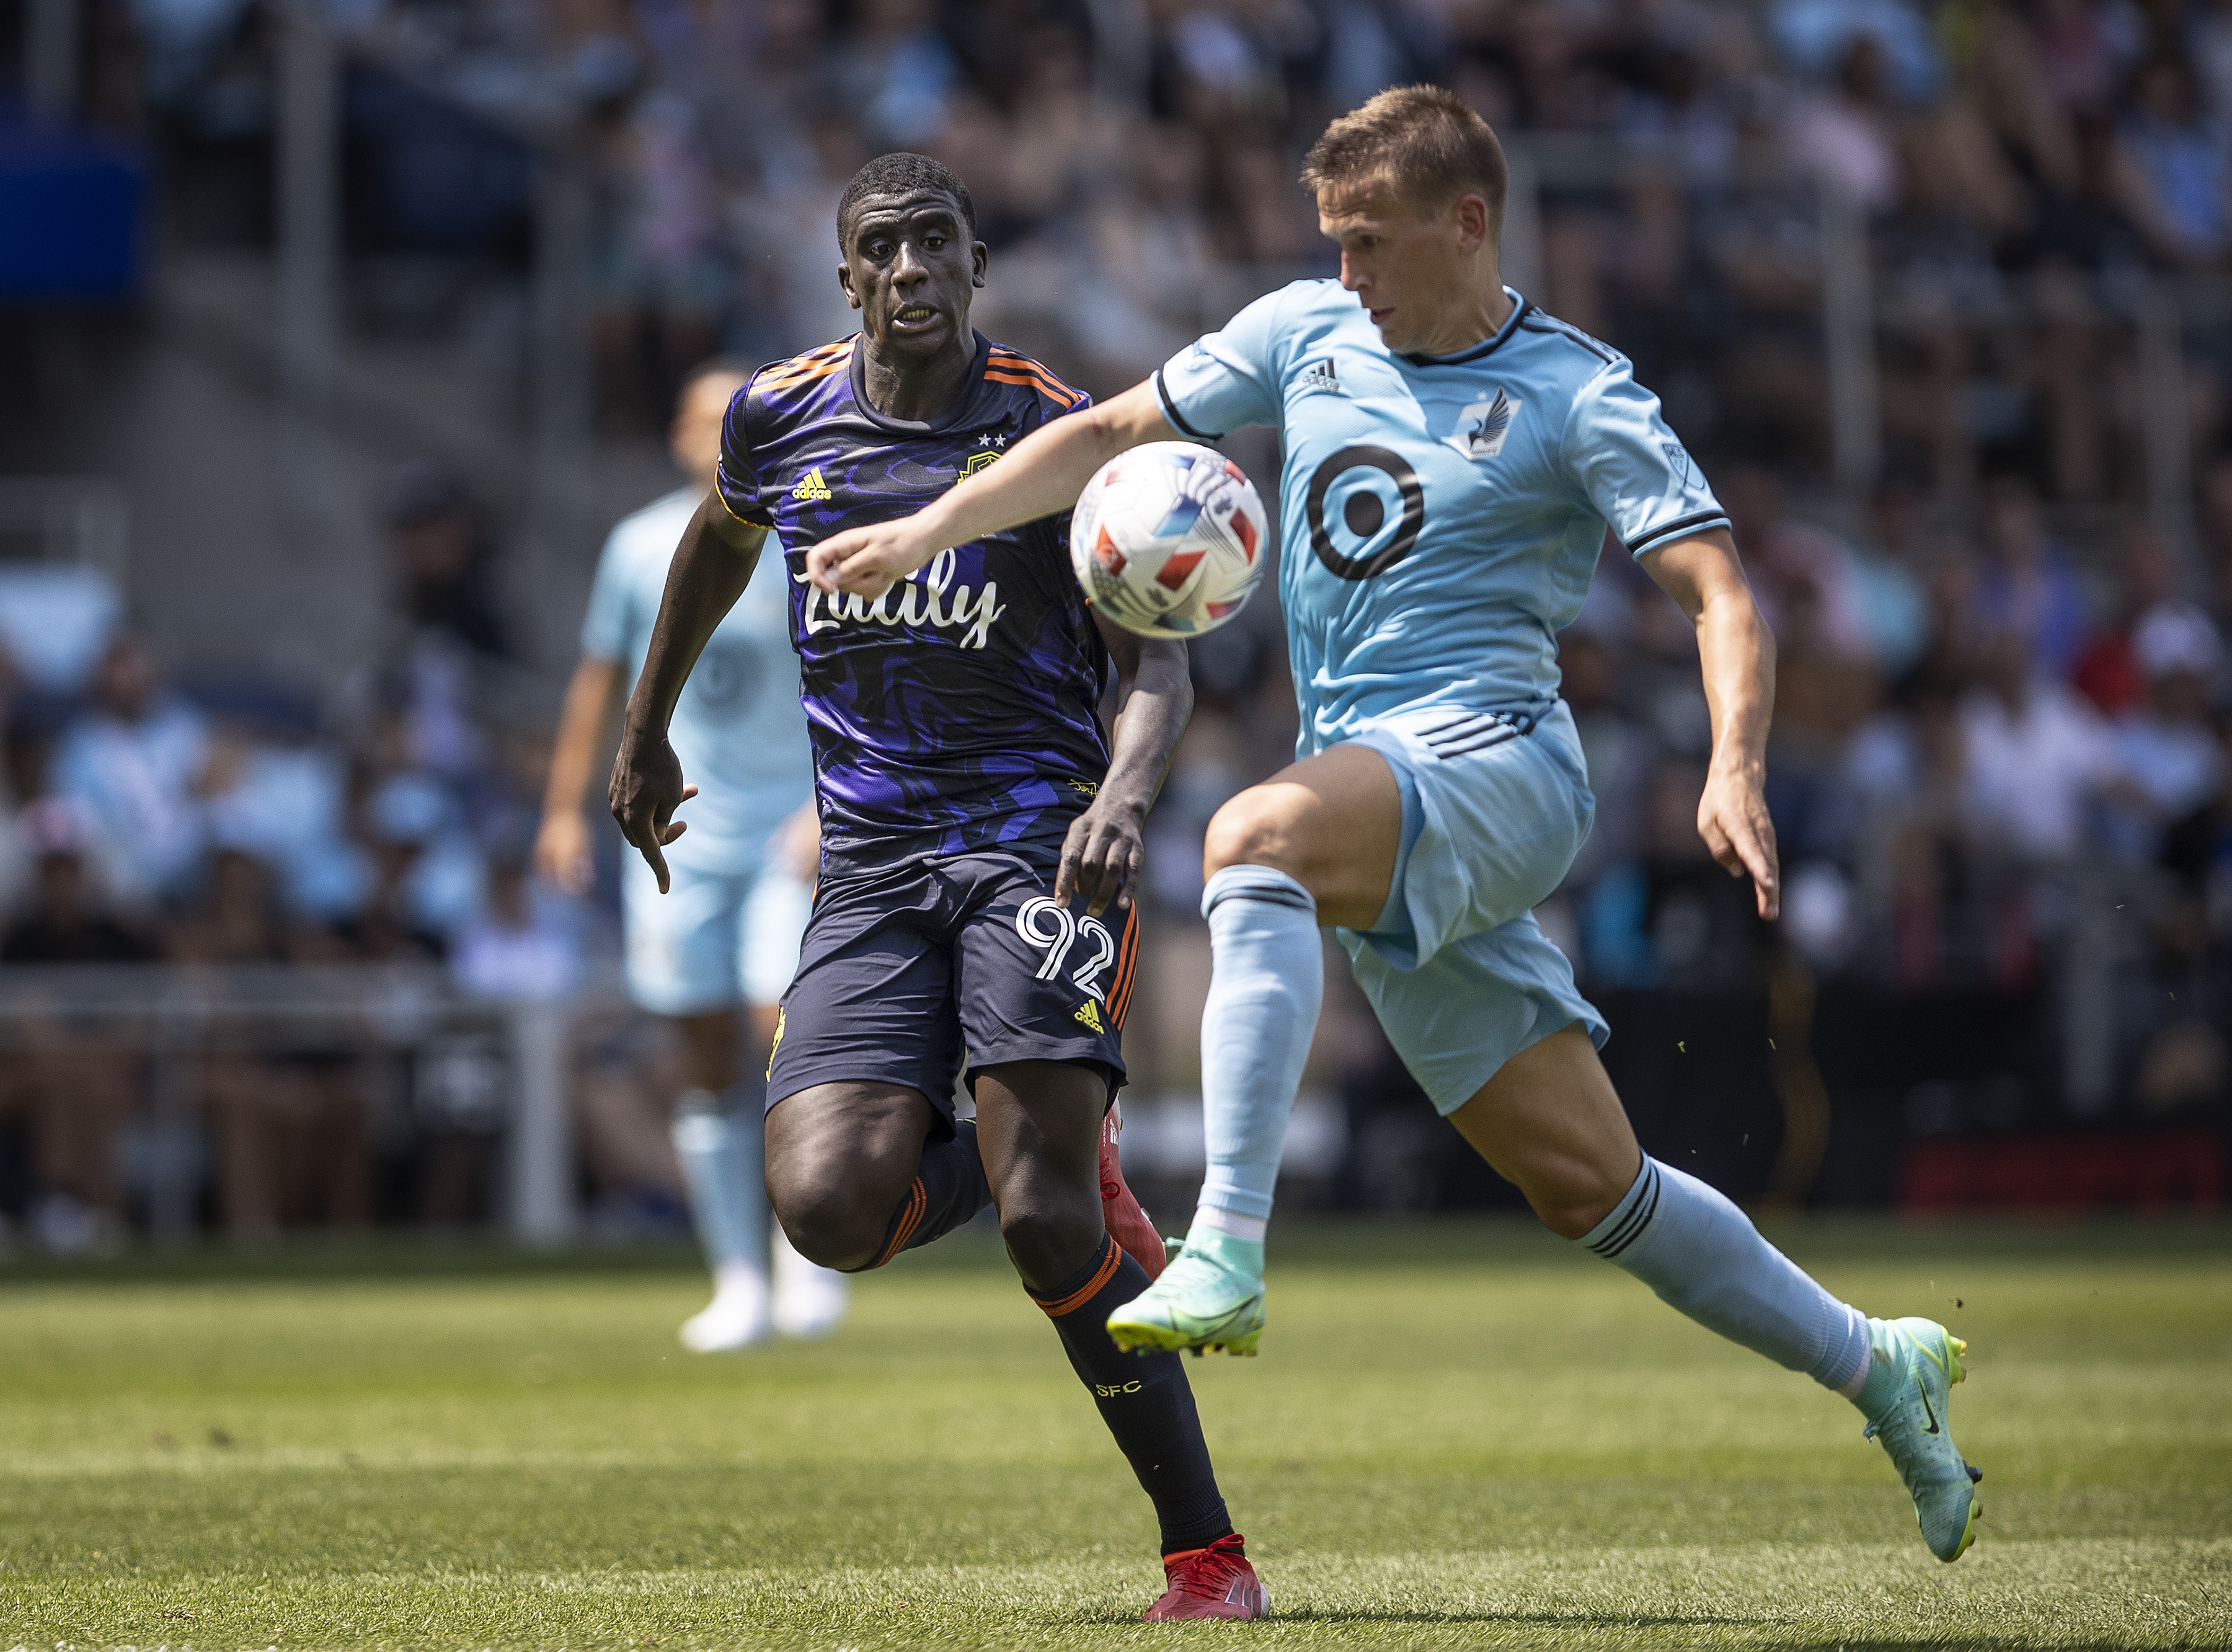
[1111,1258]
[1127,963]
[910,1219]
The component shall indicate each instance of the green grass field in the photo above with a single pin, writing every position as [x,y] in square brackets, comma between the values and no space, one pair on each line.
[1457,1435]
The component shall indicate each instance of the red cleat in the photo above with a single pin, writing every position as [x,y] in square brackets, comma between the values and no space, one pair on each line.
[1127,1224]
[1215,1582]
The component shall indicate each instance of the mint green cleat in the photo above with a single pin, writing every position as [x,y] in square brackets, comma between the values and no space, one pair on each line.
[1917,1433]
[1209,1297]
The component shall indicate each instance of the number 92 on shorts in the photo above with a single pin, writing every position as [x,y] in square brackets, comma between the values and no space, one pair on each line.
[907,970]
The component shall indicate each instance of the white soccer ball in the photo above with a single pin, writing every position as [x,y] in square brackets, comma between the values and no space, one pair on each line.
[1168,539]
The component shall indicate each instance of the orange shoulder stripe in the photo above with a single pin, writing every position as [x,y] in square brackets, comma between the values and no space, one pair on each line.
[1014,362]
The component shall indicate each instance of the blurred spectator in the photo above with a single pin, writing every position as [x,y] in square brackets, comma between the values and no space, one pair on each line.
[2037,755]
[2110,674]
[2166,750]
[2176,177]
[2028,588]
[519,947]
[134,760]
[291,1123]
[72,1087]
[1672,916]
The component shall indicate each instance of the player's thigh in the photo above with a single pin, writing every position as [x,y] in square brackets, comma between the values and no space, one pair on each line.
[1036,980]
[1550,1122]
[775,913]
[681,947]
[1333,822]
[873,1001]
[1038,1124]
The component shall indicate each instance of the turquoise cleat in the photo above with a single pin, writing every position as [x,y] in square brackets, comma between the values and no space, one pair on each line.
[1209,1297]
[1916,1432]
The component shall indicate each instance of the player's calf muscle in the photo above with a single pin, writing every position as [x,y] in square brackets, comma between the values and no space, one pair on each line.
[1550,1123]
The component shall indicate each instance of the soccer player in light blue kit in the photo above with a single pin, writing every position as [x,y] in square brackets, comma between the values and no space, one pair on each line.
[1453,459]
[725,934]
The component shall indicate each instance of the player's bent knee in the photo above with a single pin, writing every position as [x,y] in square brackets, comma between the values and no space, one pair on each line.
[1256,828]
[834,1217]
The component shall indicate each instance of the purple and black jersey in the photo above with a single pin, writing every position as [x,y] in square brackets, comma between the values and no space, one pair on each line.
[956,712]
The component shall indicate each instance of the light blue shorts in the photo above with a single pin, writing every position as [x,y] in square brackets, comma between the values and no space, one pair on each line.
[1462,977]
[716,939]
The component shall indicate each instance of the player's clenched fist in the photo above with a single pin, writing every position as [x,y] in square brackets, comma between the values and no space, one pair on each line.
[646,789]
[868,560]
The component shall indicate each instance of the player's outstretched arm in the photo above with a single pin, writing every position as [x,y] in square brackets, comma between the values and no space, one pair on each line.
[1042,475]
[1736,651]
[563,842]
[711,568]
[1105,850]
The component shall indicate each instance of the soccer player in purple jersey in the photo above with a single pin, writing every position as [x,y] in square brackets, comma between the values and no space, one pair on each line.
[981,842]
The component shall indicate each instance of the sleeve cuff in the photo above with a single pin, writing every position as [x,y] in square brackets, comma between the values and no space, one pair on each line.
[1680,527]
[1170,411]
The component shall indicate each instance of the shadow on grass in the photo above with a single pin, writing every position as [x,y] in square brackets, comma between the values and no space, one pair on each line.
[1575,1620]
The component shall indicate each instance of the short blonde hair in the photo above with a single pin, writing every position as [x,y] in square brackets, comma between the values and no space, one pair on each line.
[1427,143]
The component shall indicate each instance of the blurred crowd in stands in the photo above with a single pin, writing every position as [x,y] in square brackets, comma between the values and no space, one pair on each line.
[2000,755]
[219,826]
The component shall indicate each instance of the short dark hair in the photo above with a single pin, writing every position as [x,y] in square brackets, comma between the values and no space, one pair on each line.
[903,172]
[1426,142]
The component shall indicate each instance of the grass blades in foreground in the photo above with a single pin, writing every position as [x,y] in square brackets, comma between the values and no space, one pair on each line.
[1458,1434]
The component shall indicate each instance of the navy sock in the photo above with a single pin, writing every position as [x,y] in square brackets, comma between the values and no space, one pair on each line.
[1144,1399]
[947,1191]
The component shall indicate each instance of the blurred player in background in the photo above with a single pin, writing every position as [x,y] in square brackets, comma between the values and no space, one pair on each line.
[726,933]
[1452,460]
[981,832]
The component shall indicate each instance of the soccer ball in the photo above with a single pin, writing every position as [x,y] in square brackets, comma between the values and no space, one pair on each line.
[1168,539]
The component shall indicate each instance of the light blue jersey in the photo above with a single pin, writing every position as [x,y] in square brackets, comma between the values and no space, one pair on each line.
[737,728]
[1440,515]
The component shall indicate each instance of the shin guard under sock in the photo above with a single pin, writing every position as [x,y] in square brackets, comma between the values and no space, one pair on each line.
[947,1191]
[1266,979]
[1144,1399]
[1701,1255]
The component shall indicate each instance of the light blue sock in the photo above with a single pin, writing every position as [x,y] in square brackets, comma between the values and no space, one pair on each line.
[1703,1255]
[1266,980]
[722,1147]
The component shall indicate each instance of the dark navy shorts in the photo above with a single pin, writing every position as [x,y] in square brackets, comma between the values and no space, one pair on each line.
[908,973]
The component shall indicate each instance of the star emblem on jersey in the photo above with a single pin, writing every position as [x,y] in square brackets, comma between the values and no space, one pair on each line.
[1319,379]
[1484,426]
[811,486]
[992,439]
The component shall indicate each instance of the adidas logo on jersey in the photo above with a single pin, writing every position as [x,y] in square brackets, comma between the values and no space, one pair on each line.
[1318,379]
[811,486]
[1089,1014]
[1484,426]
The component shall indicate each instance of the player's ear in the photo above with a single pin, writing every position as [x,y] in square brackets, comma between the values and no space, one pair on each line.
[1472,223]
[845,281]
[980,257]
